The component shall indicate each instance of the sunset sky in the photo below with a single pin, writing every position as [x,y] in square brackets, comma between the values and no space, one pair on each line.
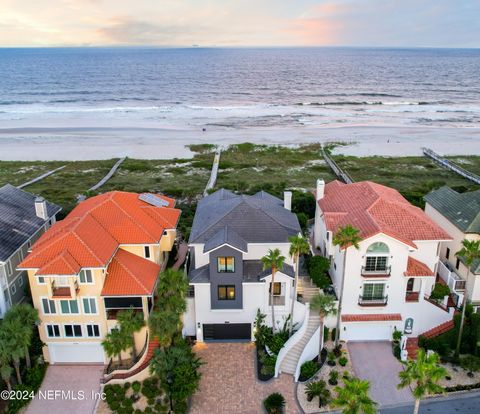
[404,23]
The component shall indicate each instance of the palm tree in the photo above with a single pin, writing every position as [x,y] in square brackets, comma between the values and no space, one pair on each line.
[273,260]
[24,318]
[164,324]
[325,306]
[131,322]
[353,397]
[344,237]
[469,253]
[318,389]
[115,343]
[11,338]
[172,290]
[424,374]
[298,245]
[6,373]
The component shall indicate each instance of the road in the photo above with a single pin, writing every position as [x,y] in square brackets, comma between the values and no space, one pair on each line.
[462,403]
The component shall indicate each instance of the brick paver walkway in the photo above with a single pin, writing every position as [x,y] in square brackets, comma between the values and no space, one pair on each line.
[229,383]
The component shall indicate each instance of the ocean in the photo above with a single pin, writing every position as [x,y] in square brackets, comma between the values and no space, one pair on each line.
[225,89]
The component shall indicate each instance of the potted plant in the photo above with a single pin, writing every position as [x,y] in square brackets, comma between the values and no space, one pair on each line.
[318,389]
[343,361]
[331,359]
[274,403]
[333,378]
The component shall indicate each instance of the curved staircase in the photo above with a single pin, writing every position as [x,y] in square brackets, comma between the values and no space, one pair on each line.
[290,362]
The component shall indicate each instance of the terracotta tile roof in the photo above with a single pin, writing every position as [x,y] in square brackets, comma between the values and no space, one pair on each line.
[417,268]
[129,274]
[373,209]
[91,233]
[372,317]
[440,329]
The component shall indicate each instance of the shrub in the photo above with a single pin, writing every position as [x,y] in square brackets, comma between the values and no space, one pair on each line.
[439,291]
[136,386]
[343,361]
[397,335]
[317,268]
[325,334]
[346,375]
[318,389]
[308,370]
[337,350]
[333,378]
[331,359]
[334,333]
[274,403]
[471,363]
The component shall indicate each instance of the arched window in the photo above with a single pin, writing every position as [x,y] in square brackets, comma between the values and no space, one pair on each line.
[410,284]
[377,258]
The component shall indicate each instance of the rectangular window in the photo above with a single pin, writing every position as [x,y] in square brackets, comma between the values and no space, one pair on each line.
[277,288]
[41,280]
[226,264]
[447,253]
[73,331]
[69,306]
[226,292]
[376,263]
[457,264]
[191,291]
[89,305]
[93,331]
[20,281]
[373,290]
[147,251]
[86,276]
[48,306]
[9,268]
[53,331]
[13,289]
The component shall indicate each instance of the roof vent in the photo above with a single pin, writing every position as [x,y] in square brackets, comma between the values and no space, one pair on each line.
[153,200]
[41,208]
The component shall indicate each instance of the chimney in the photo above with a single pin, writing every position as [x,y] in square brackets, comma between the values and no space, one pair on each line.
[41,208]
[320,189]
[287,200]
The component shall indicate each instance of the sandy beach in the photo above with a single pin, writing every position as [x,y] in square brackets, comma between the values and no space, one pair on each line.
[153,143]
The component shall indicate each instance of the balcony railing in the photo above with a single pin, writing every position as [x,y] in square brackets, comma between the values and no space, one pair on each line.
[112,313]
[372,301]
[368,272]
[277,301]
[412,296]
[450,277]
[63,289]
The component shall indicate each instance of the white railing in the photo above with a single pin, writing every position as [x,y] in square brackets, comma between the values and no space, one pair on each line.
[452,279]
[309,352]
[292,341]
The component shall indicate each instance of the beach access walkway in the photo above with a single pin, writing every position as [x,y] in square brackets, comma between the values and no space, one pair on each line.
[108,176]
[342,175]
[41,177]
[213,175]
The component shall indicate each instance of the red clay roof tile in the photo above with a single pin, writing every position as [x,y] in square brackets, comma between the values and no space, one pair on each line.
[417,268]
[372,317]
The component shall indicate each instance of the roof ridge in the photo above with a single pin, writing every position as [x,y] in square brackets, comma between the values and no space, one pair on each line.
[130,273]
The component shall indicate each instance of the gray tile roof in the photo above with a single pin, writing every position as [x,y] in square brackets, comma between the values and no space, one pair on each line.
[461,209]
[252,272]
[225,236]
[18,220]
[260,218]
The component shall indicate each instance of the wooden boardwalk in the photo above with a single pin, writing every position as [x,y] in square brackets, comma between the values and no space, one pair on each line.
[213,175]
[342,175]
[41,177]
[449,165]
[108,176]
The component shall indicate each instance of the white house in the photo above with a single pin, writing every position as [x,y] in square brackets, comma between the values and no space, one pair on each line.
[388,279]
[230,234]
[459,215]
[23,219]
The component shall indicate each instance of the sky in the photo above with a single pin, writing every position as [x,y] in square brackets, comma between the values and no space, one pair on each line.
[378,23]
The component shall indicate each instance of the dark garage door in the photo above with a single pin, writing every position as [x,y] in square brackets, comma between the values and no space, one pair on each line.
[219,331]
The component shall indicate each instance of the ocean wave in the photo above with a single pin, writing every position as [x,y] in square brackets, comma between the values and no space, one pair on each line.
[354,103]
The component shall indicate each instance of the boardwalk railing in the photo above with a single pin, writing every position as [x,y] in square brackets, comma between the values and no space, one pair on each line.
[342,175]
[451,165]
[213,175]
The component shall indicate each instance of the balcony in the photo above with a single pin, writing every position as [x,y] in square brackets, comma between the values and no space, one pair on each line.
[412,296]
[382,272]
[277,301]
[113,313]
[450,277]
[372,301]
[69,289]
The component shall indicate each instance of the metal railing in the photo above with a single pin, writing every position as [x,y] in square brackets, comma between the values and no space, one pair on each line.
[376,272]
[113,366]
[372,301]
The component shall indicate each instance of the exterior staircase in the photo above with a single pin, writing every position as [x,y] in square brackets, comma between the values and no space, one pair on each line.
[307,289]
[290,362]
[412,343]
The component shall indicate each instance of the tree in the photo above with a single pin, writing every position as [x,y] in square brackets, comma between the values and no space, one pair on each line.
[12,339]
[116,342]
[273,260]
[469,253]
[423,374]
[164,324]
[325,306]
[344,238]
[130,322]
[5,368]
[318,389]
[274,403]
[177,368]
[298,245]
[24,317]
[353,397]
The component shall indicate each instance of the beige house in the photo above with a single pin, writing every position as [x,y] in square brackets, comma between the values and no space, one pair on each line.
[105,256]
[459,215]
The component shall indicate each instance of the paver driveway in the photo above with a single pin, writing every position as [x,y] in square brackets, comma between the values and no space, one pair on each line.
[374,361]
[68,378]
[229,383]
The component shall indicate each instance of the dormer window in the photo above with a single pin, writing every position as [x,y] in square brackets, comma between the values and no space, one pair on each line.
[226,264]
